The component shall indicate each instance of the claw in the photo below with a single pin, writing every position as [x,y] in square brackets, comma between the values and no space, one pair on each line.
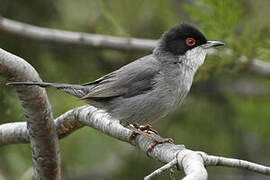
[145,131]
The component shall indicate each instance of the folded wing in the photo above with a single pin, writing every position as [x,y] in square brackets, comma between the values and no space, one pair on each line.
[135,78]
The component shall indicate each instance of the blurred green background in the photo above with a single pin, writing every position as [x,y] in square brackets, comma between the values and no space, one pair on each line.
[226,113]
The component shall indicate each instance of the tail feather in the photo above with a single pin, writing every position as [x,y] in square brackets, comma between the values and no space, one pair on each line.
[73,89]
[41,84]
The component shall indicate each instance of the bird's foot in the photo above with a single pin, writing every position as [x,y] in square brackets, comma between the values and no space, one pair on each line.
[143,130]
[135,130]
[149,132]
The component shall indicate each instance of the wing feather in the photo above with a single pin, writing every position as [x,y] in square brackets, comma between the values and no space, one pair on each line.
[132,79]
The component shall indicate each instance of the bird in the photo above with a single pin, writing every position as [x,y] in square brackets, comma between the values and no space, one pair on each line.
[150,87]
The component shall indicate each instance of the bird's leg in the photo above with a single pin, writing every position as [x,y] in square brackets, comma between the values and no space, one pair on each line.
[132,135]
[134,128]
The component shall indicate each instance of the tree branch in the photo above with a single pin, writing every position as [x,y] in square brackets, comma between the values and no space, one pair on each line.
[193,165]
[100,120]
[237,86]
[157,172]
[13,133]
[17,133]
[76,38]
[255,66]
[192,162]
[42,134]
[230,162]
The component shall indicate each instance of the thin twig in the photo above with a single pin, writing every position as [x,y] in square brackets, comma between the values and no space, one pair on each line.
[211,160]
[161,169]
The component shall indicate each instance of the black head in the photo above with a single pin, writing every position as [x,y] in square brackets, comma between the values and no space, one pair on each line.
[181,38]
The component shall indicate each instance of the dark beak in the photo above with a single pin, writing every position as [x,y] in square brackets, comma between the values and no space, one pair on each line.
[211,44]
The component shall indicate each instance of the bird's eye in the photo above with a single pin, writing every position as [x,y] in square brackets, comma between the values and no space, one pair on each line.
[190,41]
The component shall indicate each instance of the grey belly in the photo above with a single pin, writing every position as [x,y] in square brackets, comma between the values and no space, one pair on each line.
[141,109]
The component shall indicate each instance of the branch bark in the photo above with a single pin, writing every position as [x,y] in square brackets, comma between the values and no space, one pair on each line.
[17,133]
[40,127]
[230,162]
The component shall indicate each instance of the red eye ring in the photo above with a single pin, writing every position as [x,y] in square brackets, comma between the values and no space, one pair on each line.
[190,41]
